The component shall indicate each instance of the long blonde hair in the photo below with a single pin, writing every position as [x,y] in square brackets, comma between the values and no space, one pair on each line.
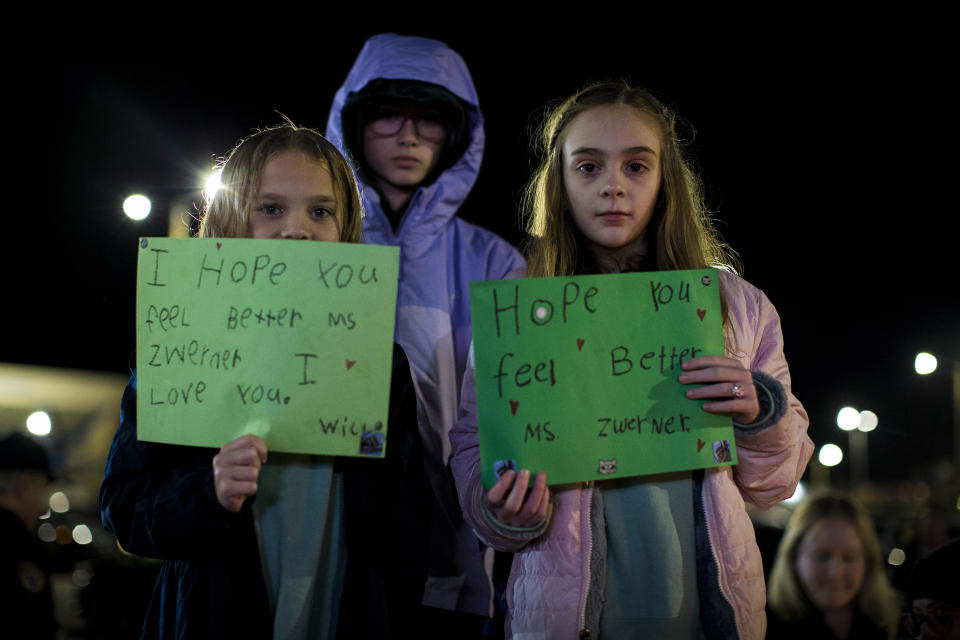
[684,234]
[786,596]
[227,215]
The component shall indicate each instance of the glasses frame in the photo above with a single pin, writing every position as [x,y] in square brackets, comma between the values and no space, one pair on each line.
[380,125]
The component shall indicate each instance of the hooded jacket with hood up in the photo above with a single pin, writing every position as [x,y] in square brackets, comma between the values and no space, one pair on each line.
[440,255]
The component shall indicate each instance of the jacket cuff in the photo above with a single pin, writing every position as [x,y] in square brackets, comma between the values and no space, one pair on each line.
[773,403]
[518,533]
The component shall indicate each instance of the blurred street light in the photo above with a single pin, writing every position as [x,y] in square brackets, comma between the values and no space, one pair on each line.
[137,207]
[868,421]
[38,423]
[857,424]
[830,455]
[848,419]
[925,363]
[211,186]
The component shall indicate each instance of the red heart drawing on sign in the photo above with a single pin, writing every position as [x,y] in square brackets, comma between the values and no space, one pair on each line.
[701,313]
[513,407]
[700,444]
[218,246]
[579,344]
[350,363]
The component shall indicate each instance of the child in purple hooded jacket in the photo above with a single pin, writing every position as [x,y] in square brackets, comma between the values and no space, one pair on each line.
[409,117]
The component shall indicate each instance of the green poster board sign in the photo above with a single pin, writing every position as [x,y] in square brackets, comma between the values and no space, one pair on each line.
[578,376]
[292,341]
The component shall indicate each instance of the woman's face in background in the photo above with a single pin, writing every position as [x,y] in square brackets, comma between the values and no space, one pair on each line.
[830,563]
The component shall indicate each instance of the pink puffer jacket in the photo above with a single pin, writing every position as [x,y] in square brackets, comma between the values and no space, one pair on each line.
[548,583]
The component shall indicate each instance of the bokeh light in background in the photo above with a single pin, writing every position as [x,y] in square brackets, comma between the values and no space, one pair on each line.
[830,455]
[848,419]
[868,421]
[82,534]
[46,532]
[211,186]
[798,495]
[38,423]
[925,363]
[896,557]
[59,502]
[137,207]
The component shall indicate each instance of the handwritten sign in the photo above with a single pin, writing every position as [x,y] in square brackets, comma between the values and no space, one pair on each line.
[292,341]
[578,376]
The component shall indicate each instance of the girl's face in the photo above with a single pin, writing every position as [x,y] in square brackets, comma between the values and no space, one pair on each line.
[296,200]
[611,173]
[830,563]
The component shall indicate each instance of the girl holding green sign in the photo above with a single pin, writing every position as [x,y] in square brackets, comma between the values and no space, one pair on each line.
[665,556]
[297,546]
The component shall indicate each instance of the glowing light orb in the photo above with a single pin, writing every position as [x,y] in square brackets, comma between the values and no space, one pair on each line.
[896,557]
[82,534]
[59,502]
[212,185]
[848,419]
[925,363]
[830,455]
[38,423]
[868,421]
[137,207]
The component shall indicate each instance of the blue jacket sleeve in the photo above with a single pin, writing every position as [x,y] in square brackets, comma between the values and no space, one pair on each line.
[159,499]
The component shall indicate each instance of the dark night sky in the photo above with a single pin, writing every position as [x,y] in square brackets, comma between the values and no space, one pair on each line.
[827,161]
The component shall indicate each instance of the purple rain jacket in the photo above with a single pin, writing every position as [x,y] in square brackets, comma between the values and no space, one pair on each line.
[440,255]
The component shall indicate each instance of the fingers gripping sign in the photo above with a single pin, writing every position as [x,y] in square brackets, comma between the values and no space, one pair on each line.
[514,504]
[728,387]
[236,469]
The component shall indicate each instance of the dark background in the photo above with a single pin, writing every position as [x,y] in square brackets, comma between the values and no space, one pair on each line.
[828,156]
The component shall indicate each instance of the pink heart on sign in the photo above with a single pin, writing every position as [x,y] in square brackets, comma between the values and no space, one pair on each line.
[350,363]
[579,344]
[700,444]
[701,313]
[513,407]
[218,246]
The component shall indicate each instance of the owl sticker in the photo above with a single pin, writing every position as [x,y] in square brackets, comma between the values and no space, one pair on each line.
[607,467]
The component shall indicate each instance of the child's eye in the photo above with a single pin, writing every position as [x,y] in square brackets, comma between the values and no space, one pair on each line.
[588,168]
[637,167]
[321,212]
[431,117]
[269,209]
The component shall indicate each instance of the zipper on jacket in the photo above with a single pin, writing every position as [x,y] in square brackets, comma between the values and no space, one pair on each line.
[585,633]
[713,552]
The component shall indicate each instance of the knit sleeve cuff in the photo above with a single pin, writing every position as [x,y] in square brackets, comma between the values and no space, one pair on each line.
[518,533]
[773,403]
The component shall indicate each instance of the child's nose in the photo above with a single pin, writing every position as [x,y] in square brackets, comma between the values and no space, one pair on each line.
[408,132]
[296,229]
[612,188]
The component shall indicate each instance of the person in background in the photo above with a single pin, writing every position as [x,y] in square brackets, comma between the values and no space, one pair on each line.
[828,580]
[409,117]
[933,595]
[26,600]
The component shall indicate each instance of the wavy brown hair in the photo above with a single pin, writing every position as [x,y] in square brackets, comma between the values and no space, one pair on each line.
[786,595]
[682,231]
[227,215]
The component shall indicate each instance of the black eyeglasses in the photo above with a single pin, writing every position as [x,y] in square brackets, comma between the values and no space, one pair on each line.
[428,123]
[939,618]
